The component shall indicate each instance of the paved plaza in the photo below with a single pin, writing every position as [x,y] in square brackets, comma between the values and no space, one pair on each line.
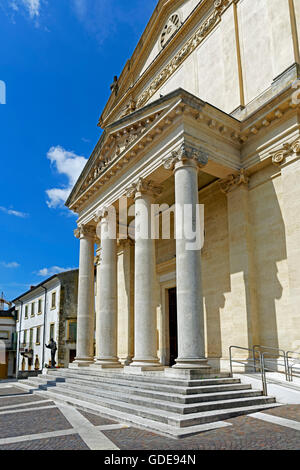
[32,422]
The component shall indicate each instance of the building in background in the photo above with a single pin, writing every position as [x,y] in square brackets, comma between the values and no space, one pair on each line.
[8,341]
[46,311]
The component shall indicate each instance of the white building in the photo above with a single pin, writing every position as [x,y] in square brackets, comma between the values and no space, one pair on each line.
[7,343]
[46,311]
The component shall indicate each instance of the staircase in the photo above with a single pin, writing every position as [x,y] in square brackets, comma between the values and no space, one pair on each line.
[169,406]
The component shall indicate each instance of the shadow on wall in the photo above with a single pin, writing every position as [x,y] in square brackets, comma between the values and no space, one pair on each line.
[269,248]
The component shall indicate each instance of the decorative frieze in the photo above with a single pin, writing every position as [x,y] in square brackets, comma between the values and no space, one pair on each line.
[233,181]
[183,154]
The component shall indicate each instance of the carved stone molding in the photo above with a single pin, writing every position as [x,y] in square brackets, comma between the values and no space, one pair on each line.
[287,149]
[233,181]
[85,231]
[142,186]
[185,153]
[188,48]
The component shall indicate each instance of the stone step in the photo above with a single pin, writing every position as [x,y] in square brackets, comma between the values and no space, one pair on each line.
[142,422]
[165,396]
[149,377]
[162,416]
[166,387]
[166,405]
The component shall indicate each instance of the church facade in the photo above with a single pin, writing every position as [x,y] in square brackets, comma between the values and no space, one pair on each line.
[206,112]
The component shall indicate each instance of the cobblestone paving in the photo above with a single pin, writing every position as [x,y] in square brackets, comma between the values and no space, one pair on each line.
[11,391]
[19,400]
[245,434]
[97,420]
[73,442]
[32,422]
[288,411]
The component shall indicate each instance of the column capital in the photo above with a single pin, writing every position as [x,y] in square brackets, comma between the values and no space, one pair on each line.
[186,154]
[101,214]
[85,231]
[233,181]
[141,186]
[286,150]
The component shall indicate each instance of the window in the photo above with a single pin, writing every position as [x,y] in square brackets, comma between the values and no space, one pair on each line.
[32,309]
[25,337]
[72,330]
[4,335]
[17,315]
[31,337]
[51,331]
[39,306]
[38,335]
[53,300]
[26,311]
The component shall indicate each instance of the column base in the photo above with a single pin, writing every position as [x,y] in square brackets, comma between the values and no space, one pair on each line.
[81,363]
[109,363]
[138,366]
[190,369]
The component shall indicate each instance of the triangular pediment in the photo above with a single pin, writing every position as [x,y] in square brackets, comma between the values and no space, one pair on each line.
[165,24]
[120,142]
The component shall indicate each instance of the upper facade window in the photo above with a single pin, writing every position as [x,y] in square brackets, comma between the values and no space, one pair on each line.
[170,28]
[40,306]
[26,311]
[32,309]
[53,300]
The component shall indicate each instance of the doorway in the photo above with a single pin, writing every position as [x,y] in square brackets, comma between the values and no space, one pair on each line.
[173,326]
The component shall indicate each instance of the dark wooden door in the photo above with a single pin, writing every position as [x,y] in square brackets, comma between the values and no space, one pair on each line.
[173,326]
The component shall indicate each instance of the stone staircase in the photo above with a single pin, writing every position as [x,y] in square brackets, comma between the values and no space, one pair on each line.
[170,406]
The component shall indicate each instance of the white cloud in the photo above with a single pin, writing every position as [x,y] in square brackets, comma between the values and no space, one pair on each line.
[13,264]
[48,272]
[69,164]
[33,7]
[23,215]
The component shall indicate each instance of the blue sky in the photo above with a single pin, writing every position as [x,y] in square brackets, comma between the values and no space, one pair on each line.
[58,59]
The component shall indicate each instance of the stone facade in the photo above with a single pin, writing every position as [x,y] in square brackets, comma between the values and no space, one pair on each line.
[209,115]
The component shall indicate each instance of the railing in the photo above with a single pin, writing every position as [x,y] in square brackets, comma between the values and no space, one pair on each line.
[248,362]
[291,367]
[282,353]
[262,362]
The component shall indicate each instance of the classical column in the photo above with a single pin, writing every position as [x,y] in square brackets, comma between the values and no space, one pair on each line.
[107,315]
[86,298]
[145,328]
[186,162]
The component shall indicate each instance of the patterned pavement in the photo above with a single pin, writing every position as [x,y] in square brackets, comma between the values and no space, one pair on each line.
[32,422]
